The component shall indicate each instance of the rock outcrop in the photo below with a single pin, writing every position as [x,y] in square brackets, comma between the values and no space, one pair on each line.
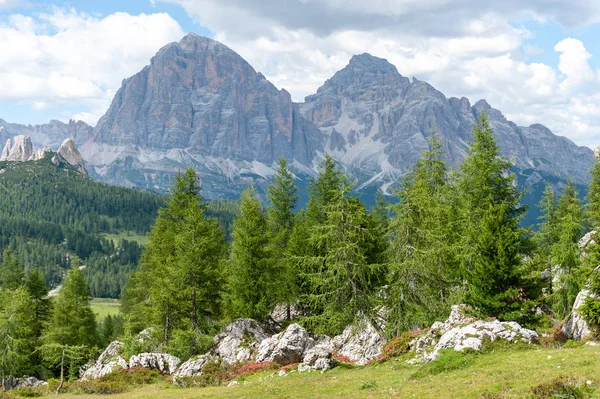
[193,367]
[360,343]
[163,362]
[19,149]
[239,342]
[462,332]
[68,153]
[110,360]
[49,135]
[576,327]
[287,347]
[27,382]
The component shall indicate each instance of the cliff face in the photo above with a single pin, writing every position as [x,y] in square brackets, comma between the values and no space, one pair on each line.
[377,123]
[49,134]
[200,102]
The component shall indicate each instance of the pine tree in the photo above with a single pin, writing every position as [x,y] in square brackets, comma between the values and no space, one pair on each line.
[12,274]
[493,244]
[16,320]
[41,304]
[423,268]
[179,282]
[282,196]
[250,273]
[337,266]
[71,331]
[593,195]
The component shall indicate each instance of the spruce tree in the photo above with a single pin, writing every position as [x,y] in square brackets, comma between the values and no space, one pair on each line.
[251,277]
[71,330]
[16,318]
[282,195]
[12,275]
[423,268]
[593,194]
[492,244]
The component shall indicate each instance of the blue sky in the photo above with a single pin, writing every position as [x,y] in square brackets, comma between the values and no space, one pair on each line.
[538,63]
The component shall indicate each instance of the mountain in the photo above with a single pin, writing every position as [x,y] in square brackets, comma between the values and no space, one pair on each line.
[49,135]
[377,123]
[20,149]
[199,104]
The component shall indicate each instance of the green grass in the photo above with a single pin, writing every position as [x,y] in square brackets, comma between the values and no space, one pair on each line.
[103,307]
[503,373]
[127,235]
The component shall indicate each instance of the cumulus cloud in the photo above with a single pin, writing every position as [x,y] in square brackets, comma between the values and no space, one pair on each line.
[462,47]
[69,58]
[8,4]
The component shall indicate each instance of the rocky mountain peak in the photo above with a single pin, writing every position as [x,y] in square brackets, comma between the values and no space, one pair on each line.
[19,149]
[69,154]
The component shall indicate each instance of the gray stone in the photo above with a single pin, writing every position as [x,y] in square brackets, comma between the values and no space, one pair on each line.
[110,360]
[19,149]
[163,362]
[576,327]
[239,342]
[192,367]
[68,153]
[287,347]
[28,382]
[361,343]
[587,239]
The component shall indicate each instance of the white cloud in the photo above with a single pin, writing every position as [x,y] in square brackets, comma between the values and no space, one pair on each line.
[67,58]
[8,4]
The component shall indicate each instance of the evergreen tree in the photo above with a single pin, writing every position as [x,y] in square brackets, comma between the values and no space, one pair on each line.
[178,285]
[41,304]
[492,244]
[282,196]
[12,274]
[71,330]
[593,194]
[250,275]
[15,331]
[423,268]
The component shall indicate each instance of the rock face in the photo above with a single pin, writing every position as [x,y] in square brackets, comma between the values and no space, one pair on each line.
[192,367]
[199,104]
[239,342]
[378,121]
[28,382]
[462,332]
[163,362]
[360,343]
[287,347]
[576,327]
[69,154]
[19,149]
[110,360]
[587,239]
[47,135]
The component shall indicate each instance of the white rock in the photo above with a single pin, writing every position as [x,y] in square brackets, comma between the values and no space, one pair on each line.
[163,362]
[19,149]
[286,347]
[110,360]
[587,239]
[360,343]
[28,382]
[192,367]
[239,342]
[576,327]
[68,153]
[233,383]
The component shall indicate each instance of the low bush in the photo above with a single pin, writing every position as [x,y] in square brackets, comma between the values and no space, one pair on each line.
[117,382]
[561,387]
[399,345]
[448,360]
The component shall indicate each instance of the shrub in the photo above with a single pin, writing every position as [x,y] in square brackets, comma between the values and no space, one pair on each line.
[368,385]
[399,345]
[117,382]
[253,368]
[28,393]
[561,387]
[448,360]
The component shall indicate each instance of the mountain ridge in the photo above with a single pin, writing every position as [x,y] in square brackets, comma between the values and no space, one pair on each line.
[199,104]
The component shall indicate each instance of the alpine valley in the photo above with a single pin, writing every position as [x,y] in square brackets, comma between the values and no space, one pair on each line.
[202,105]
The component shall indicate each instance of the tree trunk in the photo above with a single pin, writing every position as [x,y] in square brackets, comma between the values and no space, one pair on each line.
[167,328]
[62,371]
[194,310]
[289,312]
[3,378]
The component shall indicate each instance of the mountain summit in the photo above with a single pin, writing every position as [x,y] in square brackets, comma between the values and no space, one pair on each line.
[198,104]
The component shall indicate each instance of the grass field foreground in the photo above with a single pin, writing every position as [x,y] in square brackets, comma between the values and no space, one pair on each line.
[502,373]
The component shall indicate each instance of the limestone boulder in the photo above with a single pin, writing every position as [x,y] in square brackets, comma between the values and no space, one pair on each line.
[110,360]
[361,343]
[163,362]
[576,327]
[287,347]
[239,342]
